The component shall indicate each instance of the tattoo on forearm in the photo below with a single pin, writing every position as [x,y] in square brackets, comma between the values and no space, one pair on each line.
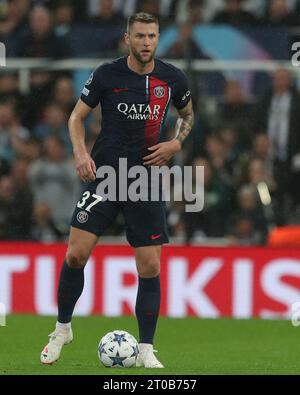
[184,127]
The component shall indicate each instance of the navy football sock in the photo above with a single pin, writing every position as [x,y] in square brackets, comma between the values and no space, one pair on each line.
[147,307]
[69,290]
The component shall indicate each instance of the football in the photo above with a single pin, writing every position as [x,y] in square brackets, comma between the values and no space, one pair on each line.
[118,349]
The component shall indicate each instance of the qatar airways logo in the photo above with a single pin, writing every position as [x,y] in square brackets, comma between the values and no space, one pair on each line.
[142,112]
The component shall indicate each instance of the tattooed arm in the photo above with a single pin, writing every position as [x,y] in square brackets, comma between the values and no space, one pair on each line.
[185,122]
[163,152]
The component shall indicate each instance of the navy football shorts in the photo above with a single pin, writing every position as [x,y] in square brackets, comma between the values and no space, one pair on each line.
[145,221]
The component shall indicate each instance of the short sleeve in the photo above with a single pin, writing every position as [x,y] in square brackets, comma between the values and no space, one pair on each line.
[93,88]
[181,91]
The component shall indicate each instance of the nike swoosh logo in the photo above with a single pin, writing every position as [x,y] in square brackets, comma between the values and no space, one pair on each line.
[118,90]
[154,237]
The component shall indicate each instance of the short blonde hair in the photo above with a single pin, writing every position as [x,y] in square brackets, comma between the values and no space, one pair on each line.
[143,17]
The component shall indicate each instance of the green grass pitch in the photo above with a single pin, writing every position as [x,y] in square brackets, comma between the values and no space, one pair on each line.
[186,346]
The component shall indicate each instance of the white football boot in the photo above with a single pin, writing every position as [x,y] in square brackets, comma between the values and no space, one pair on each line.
[52,350]
[147,359]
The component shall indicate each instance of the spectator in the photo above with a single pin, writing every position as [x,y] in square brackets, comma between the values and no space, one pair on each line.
[248,224]
[54,124]
[63,18]
[166,8]
[31,150]
[15,213]
[148,6]
[79,7]
[279,14]
[9,92]
[236,113]
[234,153]
[52,178]
[243,231]
[229,138]
[64,95]
[190,11]
[12,134]
[262,149]
[41,41]
[257,172]
[43,227]
[19,174]
[16,18]
[295,189]
[106,14]
[209,222]
[220,149]
[195,142]
[195,11]
[41,83]
[80,10]
[234,14]
[185,47]
[215,151]
[4,167]
[255,7]
[278,115]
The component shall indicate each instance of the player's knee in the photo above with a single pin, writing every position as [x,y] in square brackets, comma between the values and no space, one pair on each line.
[149,269]
[76,259]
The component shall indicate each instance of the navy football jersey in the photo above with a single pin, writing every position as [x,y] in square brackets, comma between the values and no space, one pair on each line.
[134,108]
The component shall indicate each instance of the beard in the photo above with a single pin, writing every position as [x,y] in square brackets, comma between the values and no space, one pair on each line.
[138,56]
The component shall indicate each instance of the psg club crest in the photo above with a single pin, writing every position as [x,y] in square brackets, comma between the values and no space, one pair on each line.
[82,217]
[159,91]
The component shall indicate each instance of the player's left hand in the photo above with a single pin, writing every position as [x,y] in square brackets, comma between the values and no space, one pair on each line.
[162,153]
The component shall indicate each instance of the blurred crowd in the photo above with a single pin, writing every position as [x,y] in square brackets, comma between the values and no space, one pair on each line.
[249,146]
[61,28]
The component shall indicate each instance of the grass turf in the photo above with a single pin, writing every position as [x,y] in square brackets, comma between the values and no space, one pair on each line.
[186,346]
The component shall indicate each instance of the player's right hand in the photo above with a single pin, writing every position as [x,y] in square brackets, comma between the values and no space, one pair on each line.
[85,167]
